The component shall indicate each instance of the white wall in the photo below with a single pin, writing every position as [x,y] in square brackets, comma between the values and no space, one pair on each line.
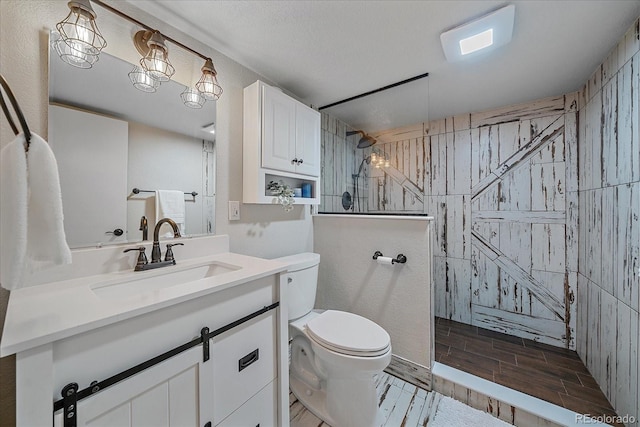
[265,231]
[397,297]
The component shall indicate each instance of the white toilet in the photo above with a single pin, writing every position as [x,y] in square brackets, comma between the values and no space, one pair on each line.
[335,355]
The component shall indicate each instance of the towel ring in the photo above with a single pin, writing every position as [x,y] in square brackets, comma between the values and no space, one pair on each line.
[16,108]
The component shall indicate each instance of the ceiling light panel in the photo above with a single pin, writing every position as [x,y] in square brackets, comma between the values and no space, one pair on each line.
[482,35]
[474,43]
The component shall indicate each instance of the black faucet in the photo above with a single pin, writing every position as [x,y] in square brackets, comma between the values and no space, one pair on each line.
[156,254]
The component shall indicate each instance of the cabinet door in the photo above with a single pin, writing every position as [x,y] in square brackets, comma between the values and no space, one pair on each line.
[167,394]
[307,140]
[278,130]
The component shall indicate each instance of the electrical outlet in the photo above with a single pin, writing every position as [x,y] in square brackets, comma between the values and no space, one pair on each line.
[234,210]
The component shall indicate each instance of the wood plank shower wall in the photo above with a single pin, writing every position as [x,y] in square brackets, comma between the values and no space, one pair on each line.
[609,250]
[502,186]
[340,159]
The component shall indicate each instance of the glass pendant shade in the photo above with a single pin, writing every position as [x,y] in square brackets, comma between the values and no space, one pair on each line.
[192,98]
[156,61]
[208,83]
[80,40]
[142,80]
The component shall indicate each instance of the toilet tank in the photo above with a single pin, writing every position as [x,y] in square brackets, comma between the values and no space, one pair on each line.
[302,282]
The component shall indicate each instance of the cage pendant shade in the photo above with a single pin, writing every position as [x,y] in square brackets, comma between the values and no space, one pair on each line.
[208,83]
[74,57]
[156,61]
[81,34]
[142,80]
[192,98]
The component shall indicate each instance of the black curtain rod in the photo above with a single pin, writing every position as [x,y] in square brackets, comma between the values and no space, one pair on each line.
[362,95]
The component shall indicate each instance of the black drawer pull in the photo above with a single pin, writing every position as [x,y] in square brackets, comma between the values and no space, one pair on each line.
[248,359]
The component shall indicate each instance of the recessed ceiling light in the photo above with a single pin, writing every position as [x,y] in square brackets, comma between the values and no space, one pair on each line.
[476,42]
[482,35]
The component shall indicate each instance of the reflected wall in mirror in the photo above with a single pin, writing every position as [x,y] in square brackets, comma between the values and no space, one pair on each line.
[109,138]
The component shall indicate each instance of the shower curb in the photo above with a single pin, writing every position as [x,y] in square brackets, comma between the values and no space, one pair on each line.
[509,405]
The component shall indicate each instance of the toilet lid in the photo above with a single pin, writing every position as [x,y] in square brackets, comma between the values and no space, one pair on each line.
[348,333]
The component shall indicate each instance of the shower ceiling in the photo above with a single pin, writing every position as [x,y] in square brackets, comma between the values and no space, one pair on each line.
[324,51]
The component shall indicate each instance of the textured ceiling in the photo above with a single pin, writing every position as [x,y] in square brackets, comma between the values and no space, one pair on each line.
[324,51]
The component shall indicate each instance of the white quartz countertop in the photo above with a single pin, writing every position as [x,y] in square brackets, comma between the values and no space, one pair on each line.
[46,313]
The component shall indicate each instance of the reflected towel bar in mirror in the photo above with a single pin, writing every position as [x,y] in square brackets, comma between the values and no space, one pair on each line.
[137,190]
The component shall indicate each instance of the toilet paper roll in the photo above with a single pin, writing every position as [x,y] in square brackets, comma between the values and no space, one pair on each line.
[385,260]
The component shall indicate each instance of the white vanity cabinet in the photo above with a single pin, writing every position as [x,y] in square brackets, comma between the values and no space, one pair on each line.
[167,394]
[281,142]
[240,379]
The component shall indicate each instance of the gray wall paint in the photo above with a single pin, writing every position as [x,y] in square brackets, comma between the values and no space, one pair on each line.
[609,250]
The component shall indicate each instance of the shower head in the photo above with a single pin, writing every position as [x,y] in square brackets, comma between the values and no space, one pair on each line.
[365,141]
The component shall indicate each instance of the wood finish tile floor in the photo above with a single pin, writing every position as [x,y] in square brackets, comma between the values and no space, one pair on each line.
[554,374]
[401,404]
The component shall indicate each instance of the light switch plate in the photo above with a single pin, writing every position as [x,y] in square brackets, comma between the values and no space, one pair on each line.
[234,210]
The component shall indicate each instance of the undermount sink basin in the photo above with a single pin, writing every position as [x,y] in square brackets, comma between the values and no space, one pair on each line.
[154,280]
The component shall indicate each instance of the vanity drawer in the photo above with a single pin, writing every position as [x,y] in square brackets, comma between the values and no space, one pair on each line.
[244,362]
[260,410]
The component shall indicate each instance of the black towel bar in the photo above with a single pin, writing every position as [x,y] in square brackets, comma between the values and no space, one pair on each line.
[16,108]
[137,190]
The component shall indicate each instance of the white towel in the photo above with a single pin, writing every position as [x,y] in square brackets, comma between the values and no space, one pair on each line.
[170,204]
[13,212]
[32,232]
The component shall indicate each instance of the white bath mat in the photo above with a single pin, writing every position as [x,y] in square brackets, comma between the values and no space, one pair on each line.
[451,413]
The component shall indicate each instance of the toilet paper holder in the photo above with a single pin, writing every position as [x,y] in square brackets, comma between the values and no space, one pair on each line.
[400,259]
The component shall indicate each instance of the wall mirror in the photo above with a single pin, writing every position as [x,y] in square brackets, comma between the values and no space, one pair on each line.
[110,138]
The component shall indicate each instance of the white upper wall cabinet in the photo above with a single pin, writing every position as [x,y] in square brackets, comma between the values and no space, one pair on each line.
[281,142]
[290,134]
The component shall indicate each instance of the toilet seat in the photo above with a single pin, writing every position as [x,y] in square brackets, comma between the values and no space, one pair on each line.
[349,334]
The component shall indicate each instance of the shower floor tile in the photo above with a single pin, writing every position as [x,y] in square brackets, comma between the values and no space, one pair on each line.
[554,374]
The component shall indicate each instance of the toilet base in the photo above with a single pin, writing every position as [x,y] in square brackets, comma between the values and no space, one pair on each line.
[312,399]
[315,400]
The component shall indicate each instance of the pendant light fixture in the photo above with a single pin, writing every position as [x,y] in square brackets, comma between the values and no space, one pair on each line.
[208,83]
[142,80]
[80,40]
[155,55]
[192,98]
[80,43]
